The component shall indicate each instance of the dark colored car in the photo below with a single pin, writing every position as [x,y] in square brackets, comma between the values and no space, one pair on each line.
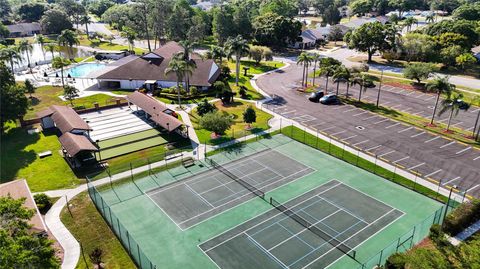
[315,96]
[463,105]
[329,99]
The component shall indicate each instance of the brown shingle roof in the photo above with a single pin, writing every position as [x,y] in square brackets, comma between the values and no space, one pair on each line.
[147,68]
[74,143]
[155,109]
[19,189]
[66,119]
[45,113]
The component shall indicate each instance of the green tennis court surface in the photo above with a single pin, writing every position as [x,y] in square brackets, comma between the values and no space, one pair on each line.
[176,228]
[104,144]
[345,217]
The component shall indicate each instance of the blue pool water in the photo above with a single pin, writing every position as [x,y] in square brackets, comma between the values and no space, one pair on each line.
[81,70]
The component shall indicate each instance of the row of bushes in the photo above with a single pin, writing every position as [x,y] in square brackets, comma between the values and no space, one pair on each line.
[462,217]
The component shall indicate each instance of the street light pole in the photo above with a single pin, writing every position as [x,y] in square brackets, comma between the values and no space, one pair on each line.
[379,88]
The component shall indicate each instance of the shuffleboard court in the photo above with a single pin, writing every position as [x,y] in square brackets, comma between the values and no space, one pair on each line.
[199,197]
[345,216]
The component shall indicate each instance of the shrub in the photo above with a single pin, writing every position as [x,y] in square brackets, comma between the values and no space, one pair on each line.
[419,71]
[249,115]
[465,60]
[395,261]
[216,122]
[218,86]
[243,91]
[225,73]
[205,107]
[43,202]
[172,90]
[462,217]
[194,91]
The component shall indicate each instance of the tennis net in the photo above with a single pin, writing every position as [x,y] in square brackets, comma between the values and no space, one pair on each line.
[242,182]
[305,223]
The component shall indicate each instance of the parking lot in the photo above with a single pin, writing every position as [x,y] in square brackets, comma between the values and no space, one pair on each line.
[439,159]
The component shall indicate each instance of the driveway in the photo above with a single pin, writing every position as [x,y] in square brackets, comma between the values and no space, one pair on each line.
[442,160]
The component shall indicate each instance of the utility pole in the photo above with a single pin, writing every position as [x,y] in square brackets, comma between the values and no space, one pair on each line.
[379,88]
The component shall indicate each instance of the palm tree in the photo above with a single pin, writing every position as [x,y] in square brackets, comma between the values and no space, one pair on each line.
[441,86]
[70,93]
[476,99]
[303,59]
[40,39]
[85,20]
[10,54]
[430,18]
[316,58]
[52,47]
[361,80]
[130,35]
[25,46]
[452,103]
[239,47]
[409,22]
[327,68]
[68,38]
[341,74]
[59,62]
[190,64]
[218,53]
[177,66]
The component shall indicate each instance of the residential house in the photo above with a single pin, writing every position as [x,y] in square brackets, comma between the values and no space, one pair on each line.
[24,29]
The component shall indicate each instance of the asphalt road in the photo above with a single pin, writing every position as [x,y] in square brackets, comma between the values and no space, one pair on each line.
[434,157]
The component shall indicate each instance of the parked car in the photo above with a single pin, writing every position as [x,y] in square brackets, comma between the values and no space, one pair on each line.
[463,105]
[329,99]
[315,96]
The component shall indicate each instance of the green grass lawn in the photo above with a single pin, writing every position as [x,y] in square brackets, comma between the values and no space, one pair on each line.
[91,230]
[102,45]
[255,69]
[20,159]
[238,128]
[46,96]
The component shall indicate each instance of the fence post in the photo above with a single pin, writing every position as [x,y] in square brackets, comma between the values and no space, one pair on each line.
[329,144]
[375,166]
[149,167]
[139,257]
[316,142]
[304,135]
[413,235]
[415,182]
[380,260]
[281,125]
[358,156]
[291,130]
[128,240]
[343,151]
[131,171]
[394,172]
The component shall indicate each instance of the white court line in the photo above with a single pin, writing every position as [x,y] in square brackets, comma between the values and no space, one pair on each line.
[345,139]
[367,141]
[376,147]
[399,160]
[463,150]
[433,173]
[199,196]
[386,153]
[417,134]
[381,121]
[416,166]
[361,113]
[431,139]
[446,182]
[388,127]
[266,251]
[338,132]
[446,145]
[404,130]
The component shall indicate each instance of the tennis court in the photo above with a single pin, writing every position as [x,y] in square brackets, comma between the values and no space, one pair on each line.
[312,230]
[207,194]
[272,203]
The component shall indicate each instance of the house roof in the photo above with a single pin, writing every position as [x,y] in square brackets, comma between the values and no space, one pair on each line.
[75,143]
[357,22]
[19,189]
[65,118]
[155,109]
[24,27]
[151,66]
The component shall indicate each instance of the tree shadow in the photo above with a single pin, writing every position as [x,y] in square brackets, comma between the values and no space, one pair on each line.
[14,156]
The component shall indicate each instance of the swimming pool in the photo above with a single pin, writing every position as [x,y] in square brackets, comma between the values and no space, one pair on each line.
[81,70]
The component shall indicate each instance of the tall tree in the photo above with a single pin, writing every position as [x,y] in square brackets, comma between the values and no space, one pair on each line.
[55,21]
[327,68]
[86,20]
[361,80]
[27,48]
[316,58]
[239,47]
[223,26]
[303,59]
[42,40]
[70,93]
[440,85]
[19,246]
[180,20]
[369,38]
[13,104]
[218,53]
[29,87]
[452,103]
[68,38]
[272,30]
[341,74]
[51,47]
[31,11]
[10,54]
[130,35]
[190,64]
[177,67]
[59,62]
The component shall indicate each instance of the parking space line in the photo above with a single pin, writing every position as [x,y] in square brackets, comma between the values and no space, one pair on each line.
[430,140]
[328,128]
[283,113]
[350,137]
[468,129]
[442,120]
[356,144]
[416,166]
[446,145]
[386,153]
[360,113]
[388,127]
[429,98]
[475,110]
[395,106]
[474,187]
[371,117]
[417,134]
[421,95]
[476,158]
[404,130]
[386,103]
[457,123]
[376,147]
[399,160]
[381,121]
[338,132]
[337,108]
[433,173]
[463,150]
[349,110]
[446,182]
[412,92]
